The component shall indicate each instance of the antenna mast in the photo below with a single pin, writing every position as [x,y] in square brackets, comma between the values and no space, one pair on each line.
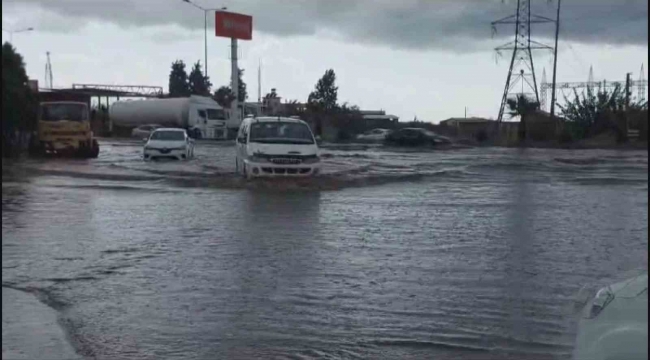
[48,72]
[259,82]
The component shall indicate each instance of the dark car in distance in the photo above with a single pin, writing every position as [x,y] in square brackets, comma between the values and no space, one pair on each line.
[415,137]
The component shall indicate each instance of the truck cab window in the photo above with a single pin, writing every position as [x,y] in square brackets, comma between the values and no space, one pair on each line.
[203,115]
[216,114]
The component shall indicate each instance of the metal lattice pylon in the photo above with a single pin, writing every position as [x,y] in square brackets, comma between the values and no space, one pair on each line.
[641,85]
[522,69]
[543,90]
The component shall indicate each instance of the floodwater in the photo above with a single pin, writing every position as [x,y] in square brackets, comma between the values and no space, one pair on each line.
[391,254]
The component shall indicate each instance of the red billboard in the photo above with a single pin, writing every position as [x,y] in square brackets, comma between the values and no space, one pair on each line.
[233,25]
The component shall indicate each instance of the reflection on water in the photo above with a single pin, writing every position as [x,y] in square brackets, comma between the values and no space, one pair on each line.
[471,254]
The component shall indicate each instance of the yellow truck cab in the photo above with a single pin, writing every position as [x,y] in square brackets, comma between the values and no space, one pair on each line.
[64,129]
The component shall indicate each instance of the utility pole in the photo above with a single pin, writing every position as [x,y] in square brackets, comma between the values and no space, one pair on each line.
[205,31]
[259,82]
[627,90]
[627,104]
[557,34]
[234,77]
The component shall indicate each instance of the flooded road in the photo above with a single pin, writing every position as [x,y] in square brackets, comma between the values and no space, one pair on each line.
[391,254]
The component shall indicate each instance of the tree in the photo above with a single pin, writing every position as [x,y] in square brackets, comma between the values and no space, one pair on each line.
[594,113]
[272,95]
[348,119]
[522,107]
[18,101]
[224,96]
[292,108]
[178,80]
[243,95]
[198,83]
[324,97]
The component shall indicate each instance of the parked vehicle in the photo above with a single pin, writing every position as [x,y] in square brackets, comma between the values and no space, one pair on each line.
[201,116]
[374,135]
[276,146]
[169,143]
[144,131]
[63,128]
[614,322]
[415,137]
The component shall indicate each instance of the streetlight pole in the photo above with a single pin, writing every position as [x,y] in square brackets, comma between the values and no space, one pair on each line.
[12,32]
[205,30]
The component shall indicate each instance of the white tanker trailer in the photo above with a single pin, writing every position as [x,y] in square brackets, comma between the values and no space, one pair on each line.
[201,116]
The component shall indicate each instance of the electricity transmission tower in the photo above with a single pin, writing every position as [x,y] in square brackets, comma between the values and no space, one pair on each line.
[640,84]
[522,69]
[48,72]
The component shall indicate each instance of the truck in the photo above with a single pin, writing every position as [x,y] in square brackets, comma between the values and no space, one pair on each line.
[63,126]
[201,116]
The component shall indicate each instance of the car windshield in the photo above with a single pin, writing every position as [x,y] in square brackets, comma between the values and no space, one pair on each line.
[168,135]
[58,112]
[281,133]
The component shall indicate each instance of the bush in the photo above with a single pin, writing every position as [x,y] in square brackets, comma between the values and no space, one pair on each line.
[597,112]
[566,136]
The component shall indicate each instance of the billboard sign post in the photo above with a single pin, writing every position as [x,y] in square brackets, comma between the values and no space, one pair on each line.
[236,27]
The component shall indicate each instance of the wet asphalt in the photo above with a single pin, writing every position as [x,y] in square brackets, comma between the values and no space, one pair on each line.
[391,253]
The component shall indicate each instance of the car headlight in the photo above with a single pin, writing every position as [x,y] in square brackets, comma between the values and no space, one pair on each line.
[603,298]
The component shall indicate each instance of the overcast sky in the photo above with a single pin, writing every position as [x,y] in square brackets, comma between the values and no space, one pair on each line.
[428,58]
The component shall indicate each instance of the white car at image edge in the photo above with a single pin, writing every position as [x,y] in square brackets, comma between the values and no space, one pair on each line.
[169,143]
[614,322]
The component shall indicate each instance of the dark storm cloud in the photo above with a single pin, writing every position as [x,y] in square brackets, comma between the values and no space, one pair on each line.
[408,24]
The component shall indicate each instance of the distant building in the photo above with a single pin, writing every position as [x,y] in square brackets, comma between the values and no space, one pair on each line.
[253,108]
[378,119]
[466,127]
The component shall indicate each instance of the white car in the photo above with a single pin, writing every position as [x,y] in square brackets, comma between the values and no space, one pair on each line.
[374,135]
[276,146]
[169,143]
[614,322]
[144,131]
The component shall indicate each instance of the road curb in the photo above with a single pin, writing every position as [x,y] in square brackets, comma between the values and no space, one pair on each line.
[30,329]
